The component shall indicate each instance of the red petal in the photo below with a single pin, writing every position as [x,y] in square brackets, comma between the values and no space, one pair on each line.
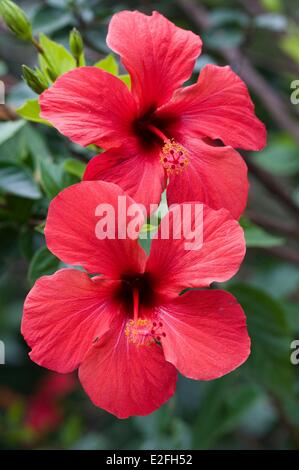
[71,229]
[206,334]
[175,265]
[90,106]
[216,176]
[124,378]
[63,314]
[141,175]
[158,55]
[217,106]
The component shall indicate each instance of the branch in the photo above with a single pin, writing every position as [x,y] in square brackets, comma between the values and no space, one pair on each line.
[274,225]
[253,7]
[272,185]
[274,103]
[7,113]
[284,253]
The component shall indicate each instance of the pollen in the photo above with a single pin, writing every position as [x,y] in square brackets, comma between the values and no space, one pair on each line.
[174,157]
[142,332]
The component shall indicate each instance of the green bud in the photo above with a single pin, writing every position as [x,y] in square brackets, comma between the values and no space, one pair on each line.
[34,79]
[76,44]
[52,74]
[16,20]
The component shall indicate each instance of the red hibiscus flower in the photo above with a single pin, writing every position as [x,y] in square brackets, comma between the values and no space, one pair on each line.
[159,130]
[128,329]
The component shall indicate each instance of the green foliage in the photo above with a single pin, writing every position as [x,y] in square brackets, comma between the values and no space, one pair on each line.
[290,44]
[221,410]
[34,79]
[108,64]
[56,59]
[30,111]
[269,363]
[77,46]
[256,237]
[16,179]
[16,20]
[280,157]
[43,263]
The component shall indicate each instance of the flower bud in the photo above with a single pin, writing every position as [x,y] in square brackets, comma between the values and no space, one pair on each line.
[76,44]
[34,79]
[52,74]
[16,20]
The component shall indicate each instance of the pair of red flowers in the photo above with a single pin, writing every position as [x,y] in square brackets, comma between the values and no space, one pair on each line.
[129,329]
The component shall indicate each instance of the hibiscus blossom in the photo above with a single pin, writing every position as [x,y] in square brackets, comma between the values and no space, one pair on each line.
[122,321]
[158,130]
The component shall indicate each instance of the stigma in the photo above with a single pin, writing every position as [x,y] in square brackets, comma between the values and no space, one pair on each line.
[143,332]
[174,157]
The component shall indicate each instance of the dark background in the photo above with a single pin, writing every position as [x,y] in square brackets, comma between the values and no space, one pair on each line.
[257,406]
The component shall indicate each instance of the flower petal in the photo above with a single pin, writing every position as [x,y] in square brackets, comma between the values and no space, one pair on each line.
[139,174]
[158,55]
[206,334]
[63,314]
[124,378]
[216,176]
[90,106]
[73,234]
[217,106]
[195,246]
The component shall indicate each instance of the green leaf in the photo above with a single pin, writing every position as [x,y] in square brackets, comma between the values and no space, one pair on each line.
[256,237]
[30,111]
[37,145]
[49,20]
[15,179]
[290,45]
[51,178]
[221,410]
[269,362]
[259,238]
[9,129]
[56,57]
[43,263]
[148,228]
[41,228]
[126,79]
[280,157]
[108,64]
[74,167]
[272,5]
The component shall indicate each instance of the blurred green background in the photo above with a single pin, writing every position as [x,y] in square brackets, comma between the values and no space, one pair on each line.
[256,407]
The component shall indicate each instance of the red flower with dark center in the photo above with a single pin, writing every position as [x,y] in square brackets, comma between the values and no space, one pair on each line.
[159,130]
[128,329]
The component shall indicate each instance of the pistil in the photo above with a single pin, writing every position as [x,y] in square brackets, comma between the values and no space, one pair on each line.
[174,157]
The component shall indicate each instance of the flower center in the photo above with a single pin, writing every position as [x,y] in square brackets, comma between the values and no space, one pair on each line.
[142,331]
[174,157]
